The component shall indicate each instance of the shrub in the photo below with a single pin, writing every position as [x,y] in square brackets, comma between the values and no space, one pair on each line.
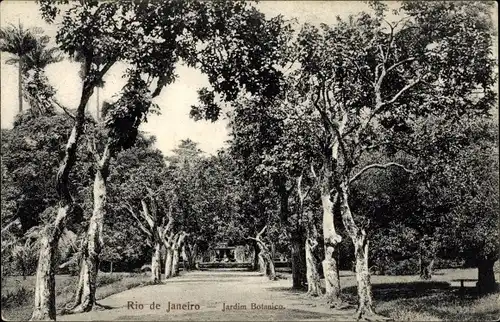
[105,279]
[17,297]
[402,267]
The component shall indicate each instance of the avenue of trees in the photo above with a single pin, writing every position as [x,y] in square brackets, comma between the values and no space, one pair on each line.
[366,145]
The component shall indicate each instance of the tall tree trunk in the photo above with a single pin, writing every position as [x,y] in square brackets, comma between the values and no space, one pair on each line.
[427,256]
[194,255]
[45,296]
[262,263]
[256,266]
[313,280]
[271,270]
[331,239]
[267,264]
[168,262]
[20,84]
[265,258]
[360,241]
[156,263]
[178,242]
[175,261]
[486,276]
[365,298]
[85,294]
[298,263]
[187,256]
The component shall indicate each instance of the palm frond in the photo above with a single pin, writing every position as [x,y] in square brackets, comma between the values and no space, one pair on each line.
[12,61]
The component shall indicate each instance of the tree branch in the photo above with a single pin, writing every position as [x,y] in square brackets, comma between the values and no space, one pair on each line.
[399,63]
[147,216]
[378,166]
[261,232]
[401,92]
[64,109]
[360,72]
[141,226]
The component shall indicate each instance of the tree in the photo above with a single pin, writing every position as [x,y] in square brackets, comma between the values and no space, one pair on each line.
[18,41]
[119,131]
[265,256]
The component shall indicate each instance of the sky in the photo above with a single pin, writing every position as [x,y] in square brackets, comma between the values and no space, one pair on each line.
[175,100]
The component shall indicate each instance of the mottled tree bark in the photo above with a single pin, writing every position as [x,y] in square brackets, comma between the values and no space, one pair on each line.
[331,240]
[256,258]
[169,252]
[168,263]
[365,298]
[313,280]
[271,270]
[265,258]
[358,236]
[156,263]
[186,251]
[194,255]
[87,285]
[45,296]
[175,258]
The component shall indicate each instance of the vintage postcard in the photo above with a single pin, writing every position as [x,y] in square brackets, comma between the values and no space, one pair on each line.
[249,161]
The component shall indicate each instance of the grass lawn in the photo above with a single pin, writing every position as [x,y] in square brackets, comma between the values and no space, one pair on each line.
[18,294]
[403,298]
[407,298]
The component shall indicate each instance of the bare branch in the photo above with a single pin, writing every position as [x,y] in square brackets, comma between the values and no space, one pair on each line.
[390,42]
[324,116]
[146,215]
[260,242]
[399,63]
[261,232]
[401,92]
[313,172]
[7,227]
[141,226]
[299,189]
[378,166]
[64,109]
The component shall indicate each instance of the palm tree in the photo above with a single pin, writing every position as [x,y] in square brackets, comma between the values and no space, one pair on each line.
[37,90]
[40,56]
[19,41]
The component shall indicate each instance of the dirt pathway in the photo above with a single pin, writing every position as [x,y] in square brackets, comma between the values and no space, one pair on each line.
[213,296]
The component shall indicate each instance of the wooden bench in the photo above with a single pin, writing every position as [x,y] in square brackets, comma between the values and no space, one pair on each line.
[462,280]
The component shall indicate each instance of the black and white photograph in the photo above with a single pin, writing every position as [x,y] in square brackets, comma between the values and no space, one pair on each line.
[233,160]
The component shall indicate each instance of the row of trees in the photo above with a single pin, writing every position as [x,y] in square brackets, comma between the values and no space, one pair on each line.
[367,93]
[313,113]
